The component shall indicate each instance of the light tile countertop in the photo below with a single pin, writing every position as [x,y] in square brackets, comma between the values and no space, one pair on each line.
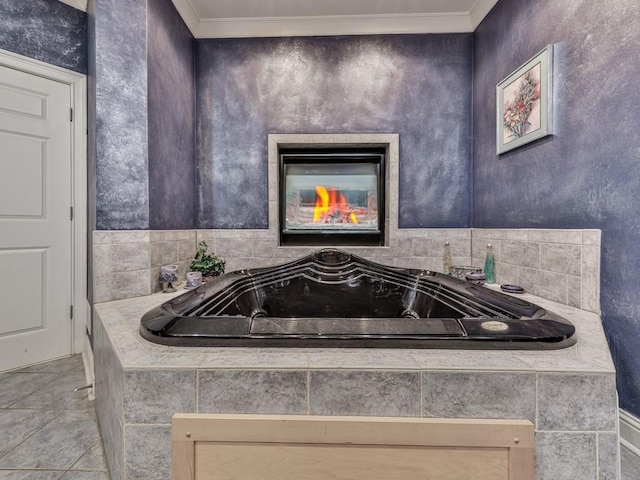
[121,319]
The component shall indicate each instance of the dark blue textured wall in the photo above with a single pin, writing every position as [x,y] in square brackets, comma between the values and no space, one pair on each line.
[47,30]
[586,175]
[171,98]
[416,85]
[119,36]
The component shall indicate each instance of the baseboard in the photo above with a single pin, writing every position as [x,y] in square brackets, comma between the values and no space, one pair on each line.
[630,431]
[87,360]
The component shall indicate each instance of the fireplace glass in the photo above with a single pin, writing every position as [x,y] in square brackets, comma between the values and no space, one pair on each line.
[332,198]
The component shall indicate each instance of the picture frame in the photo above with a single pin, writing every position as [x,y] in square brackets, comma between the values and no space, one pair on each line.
[524,103]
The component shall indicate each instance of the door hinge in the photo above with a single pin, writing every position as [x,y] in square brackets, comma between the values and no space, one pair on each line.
[71,312]
[71,114]
[71,213]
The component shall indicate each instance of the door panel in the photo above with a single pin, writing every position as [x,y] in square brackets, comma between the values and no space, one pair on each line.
[21,191]
[23,264]
[22,102]
[35,225]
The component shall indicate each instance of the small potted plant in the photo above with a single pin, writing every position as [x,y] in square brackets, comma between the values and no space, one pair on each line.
[209,265]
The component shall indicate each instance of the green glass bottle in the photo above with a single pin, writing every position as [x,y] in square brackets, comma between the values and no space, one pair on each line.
[490,265]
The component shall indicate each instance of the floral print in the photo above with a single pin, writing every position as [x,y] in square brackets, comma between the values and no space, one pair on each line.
[518,109]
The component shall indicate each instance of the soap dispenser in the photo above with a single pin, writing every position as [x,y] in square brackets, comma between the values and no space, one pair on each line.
[490,265]
[446,259]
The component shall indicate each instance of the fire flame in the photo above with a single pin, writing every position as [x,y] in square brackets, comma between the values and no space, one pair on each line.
[332,206]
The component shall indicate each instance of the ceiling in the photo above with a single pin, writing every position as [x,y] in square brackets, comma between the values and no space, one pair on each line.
[268,18]
[278,18]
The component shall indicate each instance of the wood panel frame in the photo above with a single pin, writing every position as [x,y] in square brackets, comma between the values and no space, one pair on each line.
[190,431]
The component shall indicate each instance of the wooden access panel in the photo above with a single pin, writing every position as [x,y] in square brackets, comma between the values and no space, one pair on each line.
[252,447]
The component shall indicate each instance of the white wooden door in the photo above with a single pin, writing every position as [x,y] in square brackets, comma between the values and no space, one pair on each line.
[35,223]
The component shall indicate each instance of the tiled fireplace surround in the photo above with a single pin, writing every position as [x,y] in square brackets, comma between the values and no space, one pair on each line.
[568,394]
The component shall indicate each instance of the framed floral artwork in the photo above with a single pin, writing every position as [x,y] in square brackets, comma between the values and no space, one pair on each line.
[524,103]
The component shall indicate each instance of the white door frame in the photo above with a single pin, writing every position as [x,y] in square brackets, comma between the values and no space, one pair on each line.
[78,84]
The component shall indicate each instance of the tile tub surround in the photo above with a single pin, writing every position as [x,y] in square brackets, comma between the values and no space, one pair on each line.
[408,248]
[561,265]
[569,394]
[127,264]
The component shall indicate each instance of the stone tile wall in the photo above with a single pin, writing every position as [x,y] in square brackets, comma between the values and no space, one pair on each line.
[109,404]
[569,394]
[561,265]
[568,440]
[414,248]
[126,264]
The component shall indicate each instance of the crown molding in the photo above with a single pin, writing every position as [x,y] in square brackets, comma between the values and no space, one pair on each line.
[333,25]
[323,25]
[188,14]
[79,4]
[480,10]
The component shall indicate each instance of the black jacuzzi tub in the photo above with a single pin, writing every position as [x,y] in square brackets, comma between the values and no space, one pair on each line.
[335,299]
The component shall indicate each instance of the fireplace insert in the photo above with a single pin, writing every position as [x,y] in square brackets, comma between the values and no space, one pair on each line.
[335,299]
[332,196]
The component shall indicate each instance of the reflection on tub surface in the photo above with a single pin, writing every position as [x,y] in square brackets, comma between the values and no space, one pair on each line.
[335,299]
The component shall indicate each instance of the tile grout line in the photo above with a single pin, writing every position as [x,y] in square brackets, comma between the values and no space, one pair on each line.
[197,391]
[422,393]
[309,391]
[96,443]
[56,377]
[537,400]
[31,435]
[598,455]
[58,413]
